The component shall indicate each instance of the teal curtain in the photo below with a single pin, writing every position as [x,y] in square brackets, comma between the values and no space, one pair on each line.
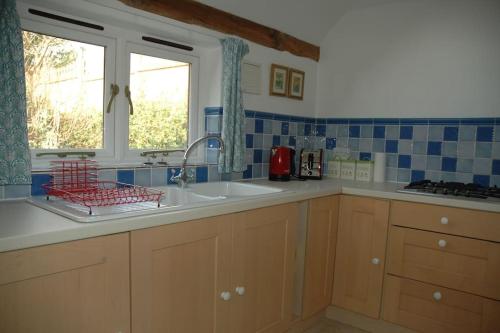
[15,162]
[233,117]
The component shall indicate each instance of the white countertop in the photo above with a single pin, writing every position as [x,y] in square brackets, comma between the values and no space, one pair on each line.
[24,225]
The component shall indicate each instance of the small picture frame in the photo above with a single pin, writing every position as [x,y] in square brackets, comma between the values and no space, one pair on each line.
[278,85]
[296,84]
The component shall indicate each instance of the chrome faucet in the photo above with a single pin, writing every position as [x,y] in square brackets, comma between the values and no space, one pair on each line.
[182,178]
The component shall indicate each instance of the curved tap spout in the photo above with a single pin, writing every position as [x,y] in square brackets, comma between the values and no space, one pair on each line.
[182,178]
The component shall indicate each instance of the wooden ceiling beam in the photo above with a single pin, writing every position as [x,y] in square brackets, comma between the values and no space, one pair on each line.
[192,12]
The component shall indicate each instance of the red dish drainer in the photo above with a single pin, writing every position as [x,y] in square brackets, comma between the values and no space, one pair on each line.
[77,181]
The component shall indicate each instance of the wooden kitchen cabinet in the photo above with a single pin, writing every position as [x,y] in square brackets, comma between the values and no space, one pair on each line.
[80,286]
[264,254]
[359,263]
[432,309]
[320,254]
[178,273]
[230,273]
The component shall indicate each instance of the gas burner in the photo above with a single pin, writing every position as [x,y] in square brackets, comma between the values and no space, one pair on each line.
[457,189]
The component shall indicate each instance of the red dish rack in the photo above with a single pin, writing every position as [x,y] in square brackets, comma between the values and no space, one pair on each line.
[77,181]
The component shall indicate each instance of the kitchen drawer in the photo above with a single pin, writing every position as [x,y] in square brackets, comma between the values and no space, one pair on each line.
[455,221]
[427,308]
[460,263]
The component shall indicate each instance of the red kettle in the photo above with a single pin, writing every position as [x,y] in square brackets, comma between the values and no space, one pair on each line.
[281,163]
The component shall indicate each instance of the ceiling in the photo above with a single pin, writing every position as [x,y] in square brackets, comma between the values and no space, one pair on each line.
[309,20]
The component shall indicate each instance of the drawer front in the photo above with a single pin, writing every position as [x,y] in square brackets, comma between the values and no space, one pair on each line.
[460,263]
[454,221]
[430,309]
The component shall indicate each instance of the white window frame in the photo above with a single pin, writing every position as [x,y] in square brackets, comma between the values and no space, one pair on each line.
[119,42]
[108,151]
[150,49]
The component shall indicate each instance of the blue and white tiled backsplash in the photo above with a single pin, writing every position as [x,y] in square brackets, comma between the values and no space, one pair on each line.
[449,149]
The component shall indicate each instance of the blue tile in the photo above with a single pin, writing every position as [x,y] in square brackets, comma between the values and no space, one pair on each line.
[310,120]
[391,146]
[249,140]
[337,121]
[386,121]
[477,121]
[354,131]
[263,115]
[169,173]
[320,130]
[495,167]
[292,141]
[484,134]
[213,143]
[125,176]
[404,161]
[331,143]
[361,121]
[247,174]
[363,156]
[249,114]
[444,121]
[213,110]
[259,126]
[297,119]
[379,132]
[281,117]
[276,140]
[483,180]
[406,132]
[434,148]
[414,121]
[450,133]
[449,164]
[37,180]
[307,129]
[284,128]
[257,156]
[201,174]
[417,175]
[321,121]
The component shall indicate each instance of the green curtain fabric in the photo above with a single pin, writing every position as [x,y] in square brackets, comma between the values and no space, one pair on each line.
[233,117]
[15,162]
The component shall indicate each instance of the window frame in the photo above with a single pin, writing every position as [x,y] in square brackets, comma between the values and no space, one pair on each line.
[118,42]
[108,151]
[194,120]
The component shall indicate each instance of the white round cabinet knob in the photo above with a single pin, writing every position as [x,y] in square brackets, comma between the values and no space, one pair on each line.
[444,220]
[437,296]
[442,243]
[240,290]
[375,261]
[225,295]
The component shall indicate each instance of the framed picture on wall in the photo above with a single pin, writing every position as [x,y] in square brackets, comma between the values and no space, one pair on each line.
[278,85]
[296,84]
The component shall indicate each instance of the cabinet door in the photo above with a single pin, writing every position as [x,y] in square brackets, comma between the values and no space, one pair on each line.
[264,245]
[320,254]
[178,272]
[80,286]
[359,266]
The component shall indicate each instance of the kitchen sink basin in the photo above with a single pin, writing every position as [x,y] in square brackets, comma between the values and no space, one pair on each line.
[231,189]
[174,196]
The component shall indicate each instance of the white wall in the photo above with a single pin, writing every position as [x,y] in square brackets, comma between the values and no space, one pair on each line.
[415,58]
[211,76]
[264,102]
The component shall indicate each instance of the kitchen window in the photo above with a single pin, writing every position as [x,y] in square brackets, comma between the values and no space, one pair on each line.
[72,77]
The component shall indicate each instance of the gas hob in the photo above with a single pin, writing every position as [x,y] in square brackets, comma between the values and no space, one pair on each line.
[453,189]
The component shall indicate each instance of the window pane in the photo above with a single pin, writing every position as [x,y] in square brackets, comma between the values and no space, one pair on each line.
[160,92]
[64,88]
